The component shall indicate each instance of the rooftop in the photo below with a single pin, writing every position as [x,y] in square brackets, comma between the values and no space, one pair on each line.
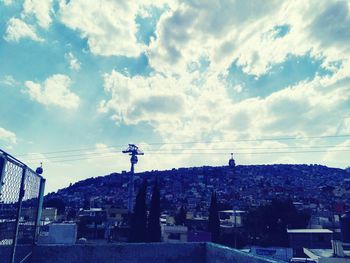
[313,231]
[323,253]
[140,252]
[233,211]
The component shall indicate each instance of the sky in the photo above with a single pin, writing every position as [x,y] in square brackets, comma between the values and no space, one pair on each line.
[189,82]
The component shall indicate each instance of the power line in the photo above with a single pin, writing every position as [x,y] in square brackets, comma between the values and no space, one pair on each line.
[199,142]
[197,153]
[232,149]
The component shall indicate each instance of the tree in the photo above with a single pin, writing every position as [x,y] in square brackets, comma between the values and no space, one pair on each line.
[71,214]
[180,218]
[269,223]
[214,220]
[138,224]
[56,202]
[86,204]
[154,231]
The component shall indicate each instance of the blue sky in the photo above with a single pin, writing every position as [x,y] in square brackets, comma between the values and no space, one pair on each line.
[81,79]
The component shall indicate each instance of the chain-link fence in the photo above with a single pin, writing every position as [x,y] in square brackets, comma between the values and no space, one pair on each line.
[21,193]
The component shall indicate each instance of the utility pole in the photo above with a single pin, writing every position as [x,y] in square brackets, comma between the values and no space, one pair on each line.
[133,151]
[235,229]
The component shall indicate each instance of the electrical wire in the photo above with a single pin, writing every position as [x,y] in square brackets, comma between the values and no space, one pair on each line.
[195,153]
[203,142]
[193,149]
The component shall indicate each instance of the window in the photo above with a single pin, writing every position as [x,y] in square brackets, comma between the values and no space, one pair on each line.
[174,236]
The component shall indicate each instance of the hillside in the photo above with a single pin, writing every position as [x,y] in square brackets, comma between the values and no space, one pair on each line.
[241,187]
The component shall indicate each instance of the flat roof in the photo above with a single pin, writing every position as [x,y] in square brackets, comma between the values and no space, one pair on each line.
[324,253]
[232,211]
[316,231]
[93,210]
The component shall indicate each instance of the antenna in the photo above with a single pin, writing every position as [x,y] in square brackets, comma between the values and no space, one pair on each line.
[231,162]
[133,151]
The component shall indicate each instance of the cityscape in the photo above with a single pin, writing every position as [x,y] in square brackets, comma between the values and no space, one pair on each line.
[174,131]
[285,212]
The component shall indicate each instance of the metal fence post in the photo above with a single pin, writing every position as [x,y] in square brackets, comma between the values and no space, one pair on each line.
[39,210]
[2,172]
[21,195]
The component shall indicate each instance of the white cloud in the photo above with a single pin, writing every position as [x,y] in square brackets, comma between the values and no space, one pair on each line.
[41,9]
[136,99]
[109,27]
[73,61]
[331,25]
[7,2]
[18,29]
[338,156]
[345,128]
[54,91]
[314,108]
[211,29]
[7,136]
[238,88]
[8,80]
[245,32]
[199,104]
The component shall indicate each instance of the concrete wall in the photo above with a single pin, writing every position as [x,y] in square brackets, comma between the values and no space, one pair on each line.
[135,253]
[310,240]
[22,252]
[333,260]
[220,254]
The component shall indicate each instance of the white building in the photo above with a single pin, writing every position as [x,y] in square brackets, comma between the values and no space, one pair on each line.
[58,233]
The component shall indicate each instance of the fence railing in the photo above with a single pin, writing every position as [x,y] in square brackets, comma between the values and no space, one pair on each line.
[21,197]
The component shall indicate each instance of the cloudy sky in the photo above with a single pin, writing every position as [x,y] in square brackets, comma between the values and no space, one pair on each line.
[189,81]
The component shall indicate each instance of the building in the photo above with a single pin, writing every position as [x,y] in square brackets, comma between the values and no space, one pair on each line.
[327,256]
[58,233]
[92,223]
[174,233]
[309,238]
[231,217]
[116,214]
[49,214]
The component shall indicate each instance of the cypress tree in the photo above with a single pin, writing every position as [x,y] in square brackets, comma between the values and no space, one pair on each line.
[214,220]
[154,231]
[86,205]
[138,226]
[180,218]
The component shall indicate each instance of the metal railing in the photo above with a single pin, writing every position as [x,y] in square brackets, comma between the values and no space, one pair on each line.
[21,197]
